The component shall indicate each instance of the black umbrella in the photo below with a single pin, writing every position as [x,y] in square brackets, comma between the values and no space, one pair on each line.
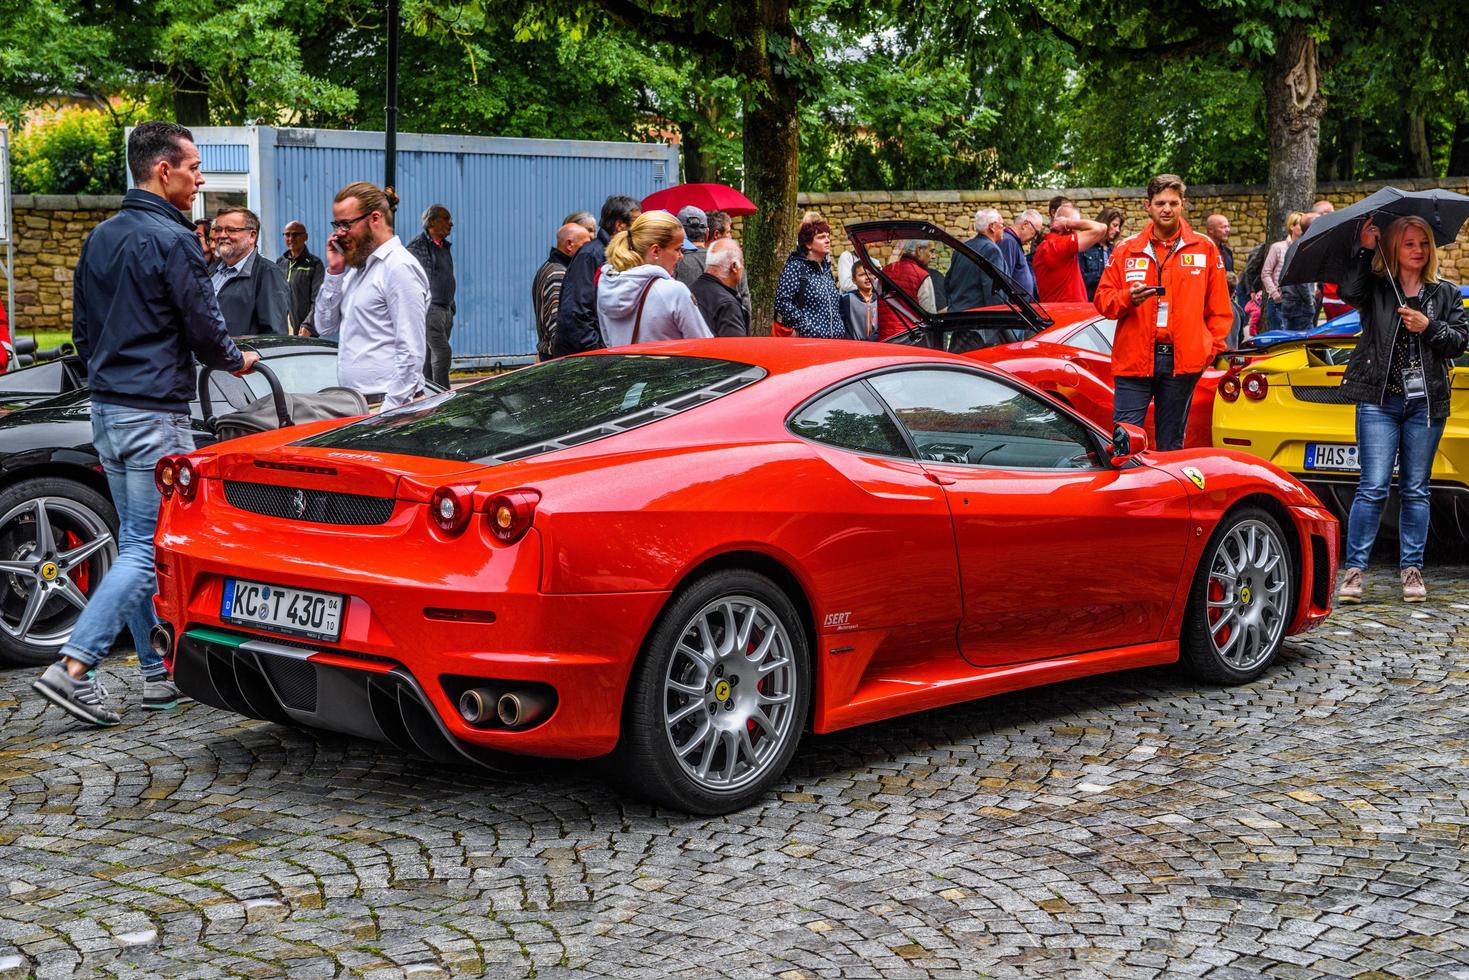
[1325,251]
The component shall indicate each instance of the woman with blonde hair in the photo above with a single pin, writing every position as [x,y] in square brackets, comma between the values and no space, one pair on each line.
[637,297]
[1412,329]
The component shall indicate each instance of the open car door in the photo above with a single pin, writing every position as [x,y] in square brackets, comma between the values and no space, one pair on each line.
[1008,315]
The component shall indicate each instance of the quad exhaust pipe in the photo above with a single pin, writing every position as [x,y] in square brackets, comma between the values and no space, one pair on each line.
[521,709]
[477,705]
[484,706]
[160,640]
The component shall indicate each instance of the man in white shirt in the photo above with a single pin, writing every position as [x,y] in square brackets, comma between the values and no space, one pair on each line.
[374,299]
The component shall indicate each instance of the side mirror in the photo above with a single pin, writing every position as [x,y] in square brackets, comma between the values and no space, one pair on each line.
[1127,442]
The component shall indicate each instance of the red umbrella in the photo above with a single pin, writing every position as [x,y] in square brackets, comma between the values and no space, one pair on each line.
[709,197]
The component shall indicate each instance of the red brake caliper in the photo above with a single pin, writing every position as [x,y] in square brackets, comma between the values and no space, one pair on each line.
[1216,594]
[82,576]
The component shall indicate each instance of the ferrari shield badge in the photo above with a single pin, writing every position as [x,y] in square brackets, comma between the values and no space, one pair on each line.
[1193,473]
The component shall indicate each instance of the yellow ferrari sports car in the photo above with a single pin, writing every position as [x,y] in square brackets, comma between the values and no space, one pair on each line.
[1287,406]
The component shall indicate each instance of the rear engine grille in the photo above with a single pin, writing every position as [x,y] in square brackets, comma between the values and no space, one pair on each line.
[299,504]
[1321,394]
[294,681]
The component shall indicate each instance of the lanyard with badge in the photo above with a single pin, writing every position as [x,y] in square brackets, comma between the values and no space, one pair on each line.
[1162,320]
[1415,382]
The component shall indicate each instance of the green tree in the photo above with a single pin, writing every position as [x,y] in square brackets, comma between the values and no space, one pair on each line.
[80,152]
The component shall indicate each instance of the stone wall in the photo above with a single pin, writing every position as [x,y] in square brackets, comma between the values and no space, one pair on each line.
[1243,205]
[49,231]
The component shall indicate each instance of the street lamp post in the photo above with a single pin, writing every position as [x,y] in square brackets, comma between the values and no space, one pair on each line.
[390,170]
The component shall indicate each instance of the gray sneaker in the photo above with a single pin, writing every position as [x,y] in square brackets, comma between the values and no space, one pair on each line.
[160,695]
[85,698]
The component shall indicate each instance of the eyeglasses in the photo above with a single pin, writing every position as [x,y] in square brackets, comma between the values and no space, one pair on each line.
[293,234]
[346,223]
[223,230]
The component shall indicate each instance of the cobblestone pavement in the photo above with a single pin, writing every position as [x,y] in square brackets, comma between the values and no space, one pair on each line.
[1311,824]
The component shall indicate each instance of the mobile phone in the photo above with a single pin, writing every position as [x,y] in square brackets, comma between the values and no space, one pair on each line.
[1156,290]
[331,243]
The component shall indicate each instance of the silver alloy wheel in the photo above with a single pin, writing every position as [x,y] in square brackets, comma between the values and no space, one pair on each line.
[1247,598]
[729,693]
[40,574]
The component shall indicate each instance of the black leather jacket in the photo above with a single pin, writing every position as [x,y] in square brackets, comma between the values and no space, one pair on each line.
[1445,339]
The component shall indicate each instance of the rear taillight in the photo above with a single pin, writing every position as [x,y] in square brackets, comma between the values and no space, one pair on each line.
[450,508]
[1229,388]
[186,478]
[510,514]
[1255,386]
[165,475]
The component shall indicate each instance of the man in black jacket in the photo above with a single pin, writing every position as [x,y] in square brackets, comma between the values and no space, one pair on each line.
[143,310]
[432,250]
[250,290]
[715,290]
[576,321]
[304,273]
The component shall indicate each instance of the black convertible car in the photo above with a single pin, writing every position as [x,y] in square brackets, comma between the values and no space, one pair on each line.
[54,505]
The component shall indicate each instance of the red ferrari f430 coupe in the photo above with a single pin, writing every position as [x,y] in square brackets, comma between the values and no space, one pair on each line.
[691,553]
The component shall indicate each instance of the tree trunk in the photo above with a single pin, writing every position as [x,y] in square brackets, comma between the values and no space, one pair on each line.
[1293,108]
[1352,148]
[699,166]
[771,145]
[1459,150]
[1345,148]
[1418,160]
[190,99]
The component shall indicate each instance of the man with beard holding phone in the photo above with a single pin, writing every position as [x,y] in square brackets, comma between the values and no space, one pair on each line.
[1166,289]
[373,299]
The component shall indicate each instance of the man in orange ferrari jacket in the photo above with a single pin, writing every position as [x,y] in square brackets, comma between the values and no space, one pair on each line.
[1166,289]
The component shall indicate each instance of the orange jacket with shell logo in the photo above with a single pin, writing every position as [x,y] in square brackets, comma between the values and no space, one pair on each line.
[1199,312]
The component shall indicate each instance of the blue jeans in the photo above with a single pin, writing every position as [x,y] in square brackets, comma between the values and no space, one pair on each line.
[1172,393]
[1271,317]
[1298,318]
[1396,431]
[130,442]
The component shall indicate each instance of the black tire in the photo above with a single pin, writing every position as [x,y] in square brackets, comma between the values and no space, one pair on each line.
[76,515]
[1238,638]
[646,761]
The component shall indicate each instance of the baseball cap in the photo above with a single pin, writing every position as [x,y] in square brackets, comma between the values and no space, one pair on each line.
[693,220]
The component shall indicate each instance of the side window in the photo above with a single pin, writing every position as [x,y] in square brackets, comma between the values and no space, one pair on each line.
[958,417]
[1107,330]
[1087,338]
[851,418]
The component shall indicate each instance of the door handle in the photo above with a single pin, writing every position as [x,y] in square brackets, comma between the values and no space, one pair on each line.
[942,481]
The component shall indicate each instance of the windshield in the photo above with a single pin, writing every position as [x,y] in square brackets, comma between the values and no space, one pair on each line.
[540,409]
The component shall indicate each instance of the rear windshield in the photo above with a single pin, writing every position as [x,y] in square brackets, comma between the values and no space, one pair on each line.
[550,406]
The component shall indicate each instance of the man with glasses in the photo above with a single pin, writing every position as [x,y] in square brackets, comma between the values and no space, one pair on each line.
[374,299]
[304,273]
[1012,248]
[251,292]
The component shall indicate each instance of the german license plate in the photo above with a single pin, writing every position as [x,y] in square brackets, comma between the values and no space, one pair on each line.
[1332,456]
[317,615]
